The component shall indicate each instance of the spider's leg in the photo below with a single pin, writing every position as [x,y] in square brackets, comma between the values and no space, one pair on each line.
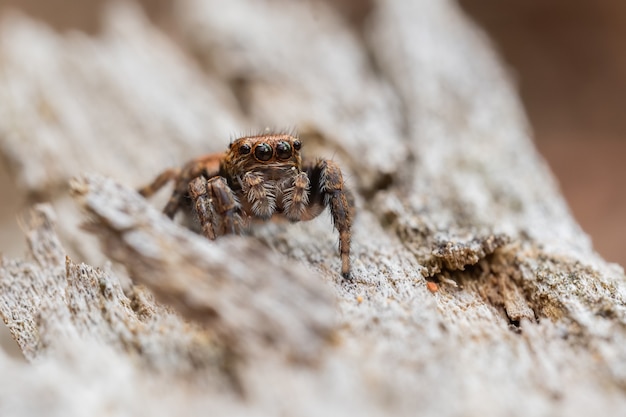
[175,201]
[180,189]
[163,178]
[328,190]
[217,207]
[194,169]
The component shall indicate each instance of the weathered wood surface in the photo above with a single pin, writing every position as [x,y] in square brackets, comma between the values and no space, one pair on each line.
[527,319]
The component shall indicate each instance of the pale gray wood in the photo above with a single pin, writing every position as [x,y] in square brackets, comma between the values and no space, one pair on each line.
[525,318]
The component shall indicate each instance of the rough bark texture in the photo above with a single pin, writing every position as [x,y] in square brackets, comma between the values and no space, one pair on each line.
[524,318]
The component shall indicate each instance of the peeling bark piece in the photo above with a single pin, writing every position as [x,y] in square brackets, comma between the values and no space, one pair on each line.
[515,303]
[241,290]
[458,253]
[450,249]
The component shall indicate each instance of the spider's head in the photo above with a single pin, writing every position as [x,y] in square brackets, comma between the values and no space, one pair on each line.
[272,154]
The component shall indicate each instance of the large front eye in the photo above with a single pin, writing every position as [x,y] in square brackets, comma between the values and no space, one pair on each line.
[283,150]
[263,152]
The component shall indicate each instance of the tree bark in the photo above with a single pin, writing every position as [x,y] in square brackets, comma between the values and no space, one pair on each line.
[474,293]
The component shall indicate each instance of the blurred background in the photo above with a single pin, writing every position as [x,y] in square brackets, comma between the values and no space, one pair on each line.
[566,56]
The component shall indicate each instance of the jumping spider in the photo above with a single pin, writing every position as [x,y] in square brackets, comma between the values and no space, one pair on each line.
[259,177]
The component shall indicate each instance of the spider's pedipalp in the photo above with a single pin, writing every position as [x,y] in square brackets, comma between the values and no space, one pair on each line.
[259,194]
[296,197]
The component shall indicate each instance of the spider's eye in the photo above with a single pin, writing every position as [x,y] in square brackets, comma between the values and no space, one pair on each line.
[297,145]
[244,149]
[263,152]
[283,150]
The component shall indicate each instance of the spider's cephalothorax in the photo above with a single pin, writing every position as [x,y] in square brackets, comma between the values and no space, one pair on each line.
[260,177]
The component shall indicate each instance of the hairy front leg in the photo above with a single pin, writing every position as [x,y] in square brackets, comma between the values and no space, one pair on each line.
[218,210]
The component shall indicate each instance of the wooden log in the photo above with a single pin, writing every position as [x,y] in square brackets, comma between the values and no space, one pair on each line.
[475,292]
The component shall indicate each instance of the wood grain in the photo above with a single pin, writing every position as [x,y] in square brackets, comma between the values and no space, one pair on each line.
[525,320]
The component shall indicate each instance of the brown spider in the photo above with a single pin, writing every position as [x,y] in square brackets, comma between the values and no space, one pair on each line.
[259,177]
